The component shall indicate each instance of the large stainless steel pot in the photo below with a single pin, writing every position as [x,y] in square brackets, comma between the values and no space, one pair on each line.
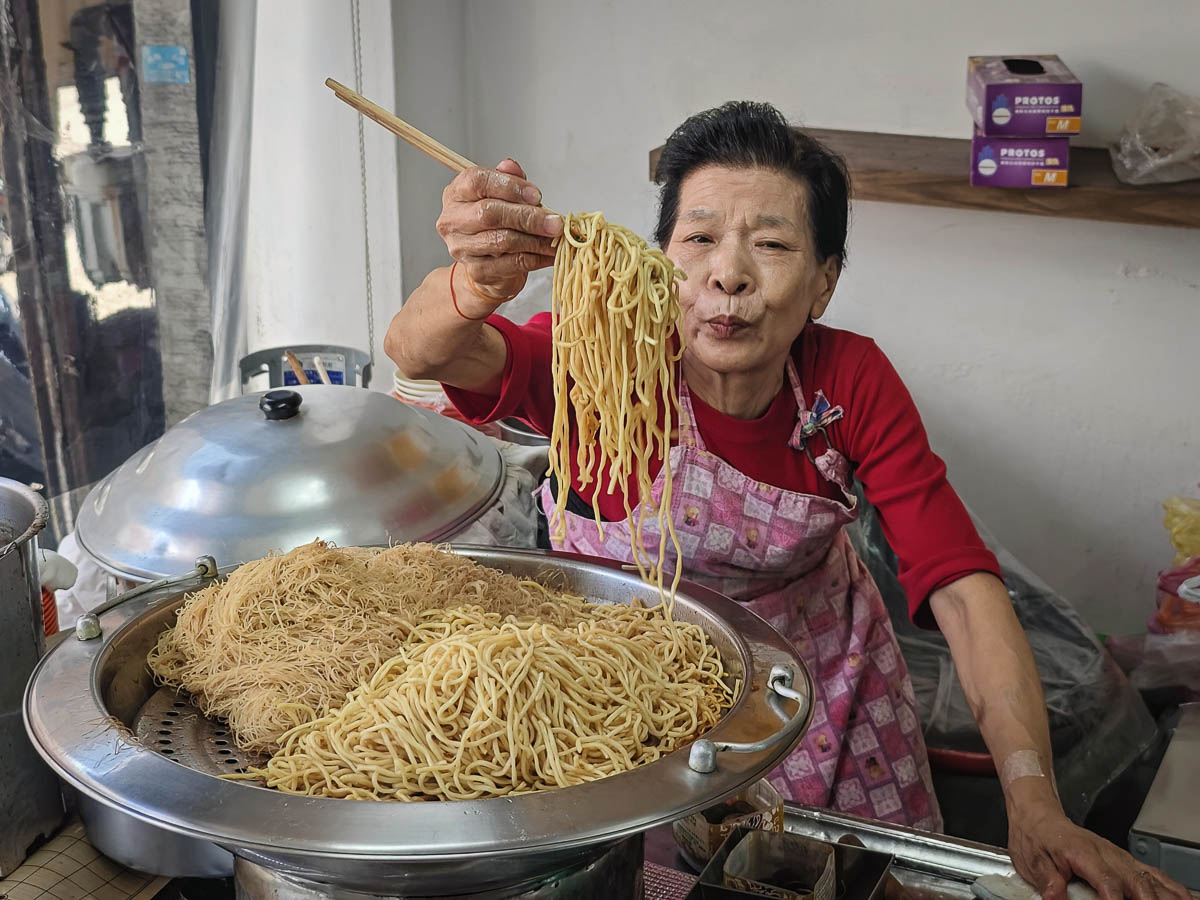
[517,432]
[30,803]
[136,844]
[391,848]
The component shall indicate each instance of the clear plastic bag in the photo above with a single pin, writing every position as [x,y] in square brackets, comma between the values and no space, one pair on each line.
[1167,659]
[512,521]
[1161,662]
[1099,724]
[1161,143]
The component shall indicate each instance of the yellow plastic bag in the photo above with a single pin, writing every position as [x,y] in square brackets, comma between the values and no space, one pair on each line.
[1183,523]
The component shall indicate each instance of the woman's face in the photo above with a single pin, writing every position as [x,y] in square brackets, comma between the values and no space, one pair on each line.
[753,278]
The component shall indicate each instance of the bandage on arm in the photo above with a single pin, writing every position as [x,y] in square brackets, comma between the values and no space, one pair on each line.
[1024,764]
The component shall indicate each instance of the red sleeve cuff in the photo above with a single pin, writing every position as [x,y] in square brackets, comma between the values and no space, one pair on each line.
[921,581]
[479,408]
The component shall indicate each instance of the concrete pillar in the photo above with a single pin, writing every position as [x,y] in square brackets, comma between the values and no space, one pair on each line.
[175,189]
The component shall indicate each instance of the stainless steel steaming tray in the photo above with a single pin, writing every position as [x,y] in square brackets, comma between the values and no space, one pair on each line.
[158,767]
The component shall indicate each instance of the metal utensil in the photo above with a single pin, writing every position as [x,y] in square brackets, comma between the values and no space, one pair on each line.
[30,805]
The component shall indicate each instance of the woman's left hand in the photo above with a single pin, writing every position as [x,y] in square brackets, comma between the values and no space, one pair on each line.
[1048,850]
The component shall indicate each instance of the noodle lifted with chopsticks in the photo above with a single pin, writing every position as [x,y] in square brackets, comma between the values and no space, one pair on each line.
[615,347]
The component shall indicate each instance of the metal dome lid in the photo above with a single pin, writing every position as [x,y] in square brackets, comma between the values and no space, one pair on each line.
[270,471]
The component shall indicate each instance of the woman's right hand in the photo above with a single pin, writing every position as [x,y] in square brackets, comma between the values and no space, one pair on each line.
[494,226]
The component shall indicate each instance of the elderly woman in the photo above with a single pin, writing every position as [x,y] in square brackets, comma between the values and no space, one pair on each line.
[777,415]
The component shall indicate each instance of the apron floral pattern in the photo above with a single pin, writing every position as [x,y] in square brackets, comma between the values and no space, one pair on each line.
[786,555]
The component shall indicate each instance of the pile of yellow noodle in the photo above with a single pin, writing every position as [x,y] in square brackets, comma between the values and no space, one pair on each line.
[463,681]
[615,347]
[286,637]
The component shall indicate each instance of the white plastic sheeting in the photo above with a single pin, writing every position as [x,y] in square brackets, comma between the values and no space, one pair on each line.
[285,212]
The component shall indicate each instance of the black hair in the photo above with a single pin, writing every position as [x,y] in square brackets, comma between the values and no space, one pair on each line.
[743,134]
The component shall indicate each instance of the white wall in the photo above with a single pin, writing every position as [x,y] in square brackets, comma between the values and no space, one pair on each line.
[430,93]
[1055,364]
[1054,360]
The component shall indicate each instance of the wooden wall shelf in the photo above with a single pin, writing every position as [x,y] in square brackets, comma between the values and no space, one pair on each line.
[929,171]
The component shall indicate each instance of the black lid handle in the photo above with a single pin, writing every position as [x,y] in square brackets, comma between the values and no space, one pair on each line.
[280,404]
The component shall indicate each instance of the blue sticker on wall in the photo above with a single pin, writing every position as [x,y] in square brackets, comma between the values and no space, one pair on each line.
[165,64]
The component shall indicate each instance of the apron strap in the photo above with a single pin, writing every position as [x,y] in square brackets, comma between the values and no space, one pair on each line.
[689,434]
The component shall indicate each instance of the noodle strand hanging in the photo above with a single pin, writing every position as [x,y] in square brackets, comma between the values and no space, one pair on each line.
[615,349]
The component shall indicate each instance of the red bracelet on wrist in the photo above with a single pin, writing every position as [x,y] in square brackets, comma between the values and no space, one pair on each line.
[454,298]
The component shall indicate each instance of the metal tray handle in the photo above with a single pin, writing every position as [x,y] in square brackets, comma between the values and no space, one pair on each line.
[703,755]
[87,628]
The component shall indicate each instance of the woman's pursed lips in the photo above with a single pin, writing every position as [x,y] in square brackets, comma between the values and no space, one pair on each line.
[726,326]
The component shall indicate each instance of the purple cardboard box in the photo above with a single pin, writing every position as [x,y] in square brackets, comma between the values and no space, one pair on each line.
[1016,96]
[1019,162]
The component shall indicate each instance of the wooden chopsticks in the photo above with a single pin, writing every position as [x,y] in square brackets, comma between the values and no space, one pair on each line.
[294,362]
[319,365]
[397,126]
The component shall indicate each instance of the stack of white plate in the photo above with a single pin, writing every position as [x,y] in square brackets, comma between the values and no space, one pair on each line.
[429,394]
[423,393]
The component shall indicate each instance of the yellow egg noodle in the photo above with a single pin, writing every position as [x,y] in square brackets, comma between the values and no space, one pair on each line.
[615,350]
[412,673]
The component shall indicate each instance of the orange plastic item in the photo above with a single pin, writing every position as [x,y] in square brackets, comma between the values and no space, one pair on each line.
[1175,612]
[49,612]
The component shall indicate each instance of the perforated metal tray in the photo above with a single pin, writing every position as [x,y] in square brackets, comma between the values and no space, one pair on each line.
[172,725]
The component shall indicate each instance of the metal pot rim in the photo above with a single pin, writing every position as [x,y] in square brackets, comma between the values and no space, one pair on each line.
[72,729]
[41,514]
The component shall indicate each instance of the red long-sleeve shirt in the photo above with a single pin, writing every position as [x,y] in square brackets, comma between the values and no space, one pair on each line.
[881,435]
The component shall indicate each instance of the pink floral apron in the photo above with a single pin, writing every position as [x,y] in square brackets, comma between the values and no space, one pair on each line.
[787,556]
